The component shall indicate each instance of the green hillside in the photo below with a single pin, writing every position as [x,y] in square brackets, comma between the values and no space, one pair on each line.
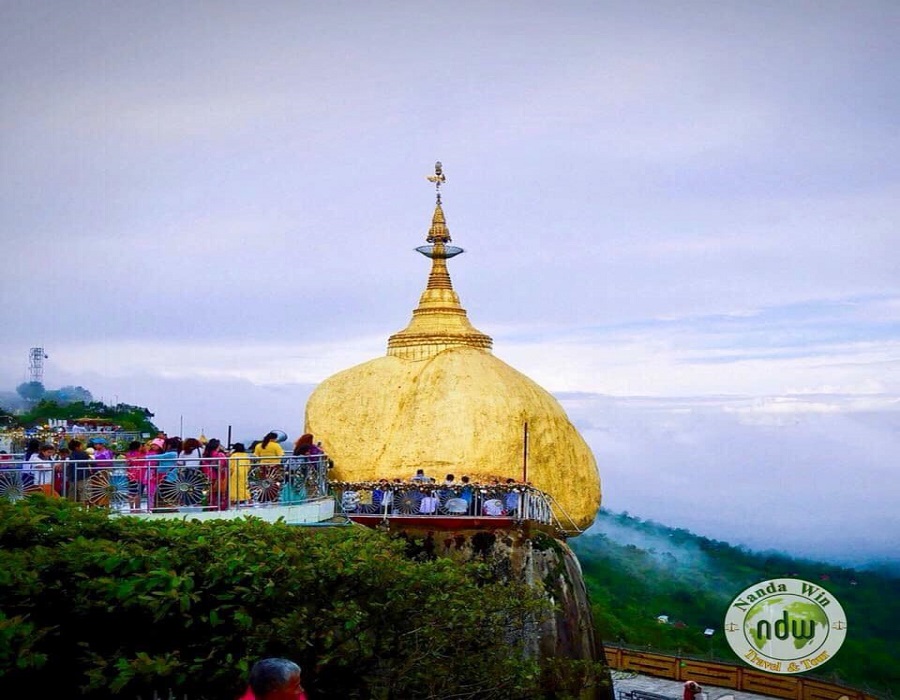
[636,571]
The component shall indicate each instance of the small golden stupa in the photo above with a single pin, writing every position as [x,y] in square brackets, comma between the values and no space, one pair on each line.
[440,401]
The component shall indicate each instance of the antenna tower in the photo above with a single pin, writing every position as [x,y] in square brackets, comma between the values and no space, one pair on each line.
[36,359]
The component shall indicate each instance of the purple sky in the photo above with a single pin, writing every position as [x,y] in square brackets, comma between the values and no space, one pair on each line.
[679,218]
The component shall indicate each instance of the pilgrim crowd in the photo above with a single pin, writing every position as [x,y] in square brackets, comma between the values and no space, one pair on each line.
[171,472]
[147,471]
[424,495]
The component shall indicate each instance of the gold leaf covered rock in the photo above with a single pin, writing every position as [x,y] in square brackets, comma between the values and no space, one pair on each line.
[440,401]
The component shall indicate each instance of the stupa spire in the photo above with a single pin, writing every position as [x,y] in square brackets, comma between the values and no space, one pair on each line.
[439,322]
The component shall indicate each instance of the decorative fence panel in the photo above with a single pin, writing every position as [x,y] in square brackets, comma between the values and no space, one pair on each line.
[148,485]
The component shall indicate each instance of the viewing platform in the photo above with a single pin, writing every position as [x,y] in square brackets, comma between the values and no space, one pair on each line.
[444,506]
[294,488]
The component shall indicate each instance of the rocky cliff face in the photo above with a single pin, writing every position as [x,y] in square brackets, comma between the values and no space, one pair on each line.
[533,554]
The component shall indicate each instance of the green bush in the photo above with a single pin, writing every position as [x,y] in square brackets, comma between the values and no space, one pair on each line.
[98,606]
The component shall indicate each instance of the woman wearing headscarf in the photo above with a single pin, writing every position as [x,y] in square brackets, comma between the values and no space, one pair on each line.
[312,464]
[295,471]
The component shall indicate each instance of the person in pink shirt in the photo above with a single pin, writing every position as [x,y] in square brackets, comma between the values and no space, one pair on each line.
[215,466]
[274,679]
[156,471]
[138,473]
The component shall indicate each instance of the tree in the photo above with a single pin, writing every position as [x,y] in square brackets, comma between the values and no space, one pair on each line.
[70,394]
[31,391]
[136,418]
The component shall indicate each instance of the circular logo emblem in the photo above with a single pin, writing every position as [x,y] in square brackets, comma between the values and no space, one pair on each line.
[785,625]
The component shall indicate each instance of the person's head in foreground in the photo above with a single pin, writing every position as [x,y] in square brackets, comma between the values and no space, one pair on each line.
[276,679]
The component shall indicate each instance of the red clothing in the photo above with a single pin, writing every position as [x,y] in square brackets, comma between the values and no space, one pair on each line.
[248,695]
[137,466]
[213,464]
[216,469]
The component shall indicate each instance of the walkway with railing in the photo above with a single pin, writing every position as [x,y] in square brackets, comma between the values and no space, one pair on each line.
[197,484]
[398,499]
[190,485]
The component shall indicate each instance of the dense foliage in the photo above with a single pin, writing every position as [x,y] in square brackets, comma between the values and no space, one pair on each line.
[98,606]
[31,391]
[35,391]
[128,417]
[70,403]
[639,570]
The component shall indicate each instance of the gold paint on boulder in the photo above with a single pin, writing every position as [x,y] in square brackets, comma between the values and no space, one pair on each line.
[460,412]
[440,401]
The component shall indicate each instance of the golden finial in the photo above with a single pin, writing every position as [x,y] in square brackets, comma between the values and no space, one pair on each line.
[439,322]
[438,179]
[438,233]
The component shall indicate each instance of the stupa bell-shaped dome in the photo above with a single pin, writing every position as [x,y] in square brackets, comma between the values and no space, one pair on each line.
[442,402]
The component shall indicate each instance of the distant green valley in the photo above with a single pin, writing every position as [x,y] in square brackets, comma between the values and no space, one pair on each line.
[638,570]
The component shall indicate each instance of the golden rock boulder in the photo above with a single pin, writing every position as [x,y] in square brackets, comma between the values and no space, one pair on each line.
[462,411]
[440,401]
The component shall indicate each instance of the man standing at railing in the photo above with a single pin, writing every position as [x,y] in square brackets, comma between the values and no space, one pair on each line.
[468,495]
[76,470]
[511,501]
[383,498]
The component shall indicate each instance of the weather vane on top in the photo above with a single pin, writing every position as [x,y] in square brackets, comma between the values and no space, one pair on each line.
[438,179]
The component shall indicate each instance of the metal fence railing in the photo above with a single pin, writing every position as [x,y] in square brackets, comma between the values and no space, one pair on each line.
[396,498]
[193,484]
